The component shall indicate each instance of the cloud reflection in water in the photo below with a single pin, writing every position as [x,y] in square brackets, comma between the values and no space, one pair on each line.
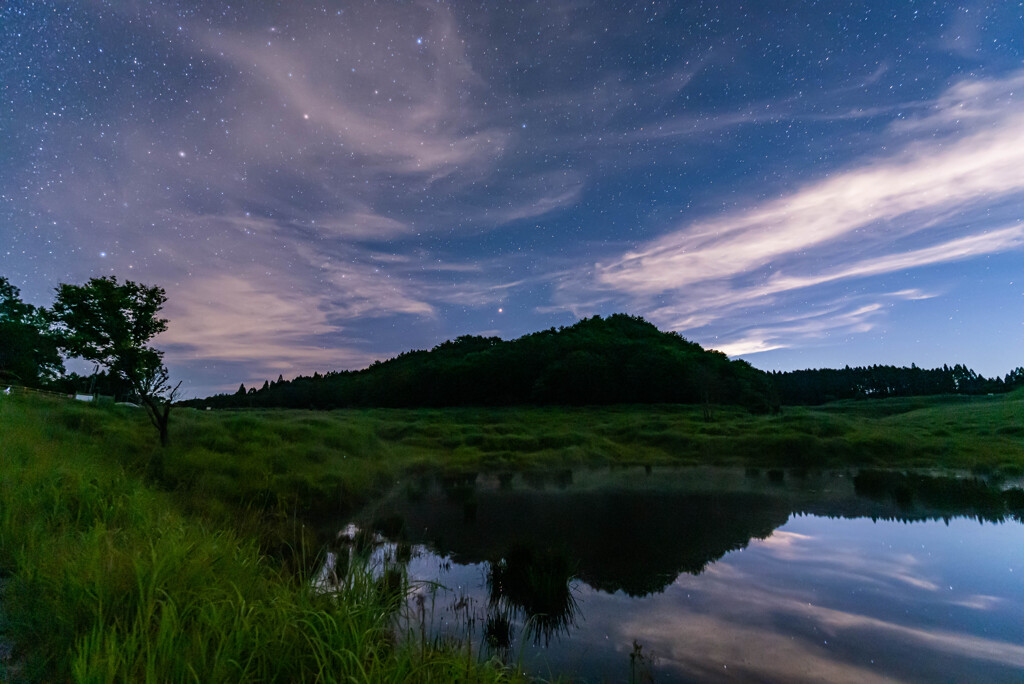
[845,604]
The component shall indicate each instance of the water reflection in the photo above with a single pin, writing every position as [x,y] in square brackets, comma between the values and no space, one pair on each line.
[624,532]
[618,540]
[536,582]
[945,496]
[707,574]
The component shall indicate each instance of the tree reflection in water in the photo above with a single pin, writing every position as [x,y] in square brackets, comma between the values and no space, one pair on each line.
[519,555]
[536,583]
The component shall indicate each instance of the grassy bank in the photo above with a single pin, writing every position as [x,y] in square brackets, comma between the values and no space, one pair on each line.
[110,579]
[355,451]
[125,562]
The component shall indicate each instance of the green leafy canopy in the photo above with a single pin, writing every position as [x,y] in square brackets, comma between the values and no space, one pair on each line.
[111,323]
[28,349]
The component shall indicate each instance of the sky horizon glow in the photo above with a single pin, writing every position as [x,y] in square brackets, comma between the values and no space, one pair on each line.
[321,185]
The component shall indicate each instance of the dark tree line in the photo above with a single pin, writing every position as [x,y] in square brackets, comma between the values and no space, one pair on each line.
[618,359]
[829,384]
[29,349]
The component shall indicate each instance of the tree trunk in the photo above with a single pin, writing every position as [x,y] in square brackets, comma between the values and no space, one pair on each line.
[159,415]
[162,420]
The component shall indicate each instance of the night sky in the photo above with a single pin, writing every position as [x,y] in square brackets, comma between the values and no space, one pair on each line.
[319,185]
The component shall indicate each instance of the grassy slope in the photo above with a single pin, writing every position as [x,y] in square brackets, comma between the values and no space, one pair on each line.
[114,580]
[106,579]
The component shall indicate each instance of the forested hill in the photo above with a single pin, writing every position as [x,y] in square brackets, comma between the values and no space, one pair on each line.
[618,359]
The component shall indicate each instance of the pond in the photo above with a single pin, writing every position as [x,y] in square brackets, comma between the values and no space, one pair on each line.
[710,574]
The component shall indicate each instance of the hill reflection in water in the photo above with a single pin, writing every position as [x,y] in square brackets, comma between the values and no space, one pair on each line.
[636,531]
[567,570]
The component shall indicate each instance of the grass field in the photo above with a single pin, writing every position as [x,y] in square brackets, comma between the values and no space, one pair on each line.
[343,457]
[109,577]
[126,562]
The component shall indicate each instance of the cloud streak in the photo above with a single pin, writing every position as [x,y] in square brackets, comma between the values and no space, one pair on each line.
[233,318]
[350,92]
[886,214]
[868,200]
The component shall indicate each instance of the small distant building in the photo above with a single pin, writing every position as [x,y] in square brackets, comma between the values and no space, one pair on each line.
[98,398]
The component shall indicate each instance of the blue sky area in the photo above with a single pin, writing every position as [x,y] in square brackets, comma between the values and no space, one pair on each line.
[319,185]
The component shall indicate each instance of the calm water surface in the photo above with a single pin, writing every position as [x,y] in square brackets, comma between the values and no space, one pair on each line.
[708,575]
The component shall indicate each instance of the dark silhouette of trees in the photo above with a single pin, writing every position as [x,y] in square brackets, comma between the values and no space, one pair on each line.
[818,386]
[28,349]
[618,359]
[98,383]
[111,324]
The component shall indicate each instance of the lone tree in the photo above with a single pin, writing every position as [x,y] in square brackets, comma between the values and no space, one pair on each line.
[28,351]
[110,323]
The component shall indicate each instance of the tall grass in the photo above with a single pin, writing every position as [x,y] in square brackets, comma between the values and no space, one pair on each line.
[107,580]
[348,454]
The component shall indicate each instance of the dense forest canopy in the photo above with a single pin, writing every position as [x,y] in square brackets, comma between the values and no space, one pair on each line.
[618,359]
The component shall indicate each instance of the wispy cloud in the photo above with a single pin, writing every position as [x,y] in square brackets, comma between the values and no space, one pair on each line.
[868,200]
[397,103]
[967,103]
[816,322]
[362,225]
[989,242]
[253,320]
[890,212]
[364,284]
[835,320]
